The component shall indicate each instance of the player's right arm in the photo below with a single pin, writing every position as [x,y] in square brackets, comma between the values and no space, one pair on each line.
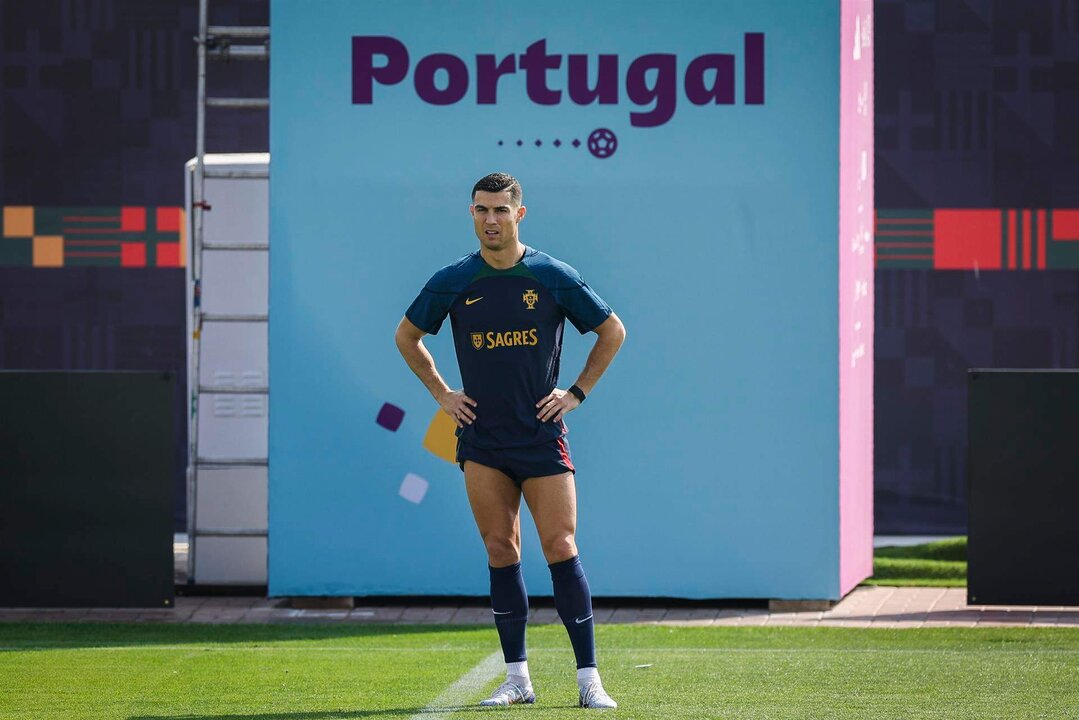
[456,404]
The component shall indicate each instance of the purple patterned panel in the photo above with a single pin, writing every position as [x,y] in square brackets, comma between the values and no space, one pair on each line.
[931,326]
[100,318]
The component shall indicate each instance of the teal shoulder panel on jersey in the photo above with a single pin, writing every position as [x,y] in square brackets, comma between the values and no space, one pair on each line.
[431,306]
[584,308]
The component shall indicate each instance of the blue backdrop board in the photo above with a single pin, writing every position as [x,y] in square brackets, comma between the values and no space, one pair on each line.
[684,158]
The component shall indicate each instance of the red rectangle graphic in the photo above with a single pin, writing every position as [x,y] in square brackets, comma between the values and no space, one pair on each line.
[1066,224]
[966,239]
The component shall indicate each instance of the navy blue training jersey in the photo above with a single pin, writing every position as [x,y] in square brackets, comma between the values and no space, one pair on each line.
[507,328]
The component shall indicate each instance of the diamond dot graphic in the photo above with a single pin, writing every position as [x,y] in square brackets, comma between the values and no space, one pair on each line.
[576,143]
[390,417]
[520,143]
[558,143]
[500,142]
[413,488]
[538,143]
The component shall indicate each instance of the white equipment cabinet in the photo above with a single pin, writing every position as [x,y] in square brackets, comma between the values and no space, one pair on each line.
[228,371]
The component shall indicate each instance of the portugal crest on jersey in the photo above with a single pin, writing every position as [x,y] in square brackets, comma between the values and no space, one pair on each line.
[530,298]
[477,340]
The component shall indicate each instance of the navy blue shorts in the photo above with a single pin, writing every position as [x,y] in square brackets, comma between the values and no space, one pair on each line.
[521,463]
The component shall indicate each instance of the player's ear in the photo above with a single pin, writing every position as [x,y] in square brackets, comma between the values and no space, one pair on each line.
[521,213]
[472,210]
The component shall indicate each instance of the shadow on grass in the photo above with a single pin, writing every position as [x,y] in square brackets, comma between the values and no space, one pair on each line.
[21,636]
[1006,618]
[335,714]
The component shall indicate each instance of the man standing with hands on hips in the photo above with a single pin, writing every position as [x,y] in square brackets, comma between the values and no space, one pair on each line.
[507,305]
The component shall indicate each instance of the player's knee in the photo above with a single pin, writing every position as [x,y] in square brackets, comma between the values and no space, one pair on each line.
[501,550]
[559,548]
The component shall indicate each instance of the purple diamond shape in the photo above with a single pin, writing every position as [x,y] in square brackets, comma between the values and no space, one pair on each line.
[558,143]
[390,417]
[538,143]
[576,143]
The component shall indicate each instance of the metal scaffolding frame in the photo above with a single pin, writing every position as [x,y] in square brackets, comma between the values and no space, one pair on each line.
[221,43]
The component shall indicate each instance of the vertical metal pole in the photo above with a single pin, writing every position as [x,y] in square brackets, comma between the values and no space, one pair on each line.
[192,373]
[198,208]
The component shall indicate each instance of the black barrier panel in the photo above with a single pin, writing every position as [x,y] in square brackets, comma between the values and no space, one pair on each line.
[1023,529]
[86,489]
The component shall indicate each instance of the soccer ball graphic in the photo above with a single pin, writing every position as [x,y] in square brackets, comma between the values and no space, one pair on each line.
[602,143]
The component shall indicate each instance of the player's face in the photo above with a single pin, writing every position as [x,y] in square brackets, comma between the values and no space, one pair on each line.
[495,217]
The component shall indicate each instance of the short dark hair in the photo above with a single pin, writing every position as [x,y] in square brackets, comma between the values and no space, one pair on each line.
[498,182]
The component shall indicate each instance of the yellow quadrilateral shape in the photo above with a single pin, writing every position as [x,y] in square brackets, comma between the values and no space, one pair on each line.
[18,221]
[441,437]
[48,251]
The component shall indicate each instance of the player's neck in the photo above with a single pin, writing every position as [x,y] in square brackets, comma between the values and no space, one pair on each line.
[505,258]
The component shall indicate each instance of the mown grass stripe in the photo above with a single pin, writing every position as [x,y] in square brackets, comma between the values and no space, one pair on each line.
[499,665]
[464,690]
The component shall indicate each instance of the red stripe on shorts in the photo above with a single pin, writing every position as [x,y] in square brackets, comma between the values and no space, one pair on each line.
[565,455]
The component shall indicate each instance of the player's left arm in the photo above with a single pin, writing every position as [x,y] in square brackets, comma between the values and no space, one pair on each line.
[610,335]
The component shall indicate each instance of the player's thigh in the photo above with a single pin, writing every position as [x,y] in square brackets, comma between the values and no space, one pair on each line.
[495,501]
[552,500]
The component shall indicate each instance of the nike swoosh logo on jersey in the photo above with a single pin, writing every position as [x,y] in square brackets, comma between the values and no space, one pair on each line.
[581,620]
[469,301]
[501,613]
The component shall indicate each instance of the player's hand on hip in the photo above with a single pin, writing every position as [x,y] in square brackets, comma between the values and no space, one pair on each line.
[457,405]
[556,404]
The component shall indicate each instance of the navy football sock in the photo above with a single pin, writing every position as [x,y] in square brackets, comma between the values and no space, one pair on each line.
[574,603]
[509,602]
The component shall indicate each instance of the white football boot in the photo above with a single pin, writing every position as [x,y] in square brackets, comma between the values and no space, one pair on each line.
[594,696]
[510,693]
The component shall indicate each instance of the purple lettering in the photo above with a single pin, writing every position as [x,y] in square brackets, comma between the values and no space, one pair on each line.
[536,62]
[754,49]
[662,90]
[364,72]
[722,90]
[651,81]
[487,75]
[606,89]
[456,85]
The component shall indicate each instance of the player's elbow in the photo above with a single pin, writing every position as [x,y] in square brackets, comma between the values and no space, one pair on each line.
[405,336]
[614,329]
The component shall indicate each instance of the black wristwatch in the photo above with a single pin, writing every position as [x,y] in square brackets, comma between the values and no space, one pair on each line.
[577,393]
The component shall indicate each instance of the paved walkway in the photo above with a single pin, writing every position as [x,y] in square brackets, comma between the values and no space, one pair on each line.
[879,607]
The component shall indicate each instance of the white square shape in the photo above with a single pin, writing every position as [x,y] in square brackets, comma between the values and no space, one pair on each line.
[413,488]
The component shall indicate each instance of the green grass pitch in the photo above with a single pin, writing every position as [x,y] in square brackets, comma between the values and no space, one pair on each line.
[936,564]
[321,672]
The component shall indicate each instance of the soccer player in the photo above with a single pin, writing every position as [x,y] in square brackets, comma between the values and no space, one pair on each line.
[507,305]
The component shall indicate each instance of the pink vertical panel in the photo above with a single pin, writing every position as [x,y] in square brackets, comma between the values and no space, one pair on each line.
[856,254]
